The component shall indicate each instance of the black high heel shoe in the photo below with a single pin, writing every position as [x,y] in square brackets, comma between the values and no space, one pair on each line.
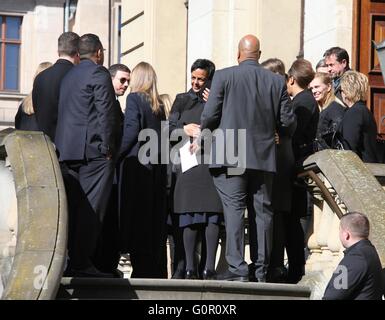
[191,274]
[209,275]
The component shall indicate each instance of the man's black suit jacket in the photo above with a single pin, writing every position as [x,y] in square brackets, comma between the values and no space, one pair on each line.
[252,98]
[358,275]
[45,96]
[87,126]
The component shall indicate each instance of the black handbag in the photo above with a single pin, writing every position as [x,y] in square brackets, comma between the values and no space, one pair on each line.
[331,139]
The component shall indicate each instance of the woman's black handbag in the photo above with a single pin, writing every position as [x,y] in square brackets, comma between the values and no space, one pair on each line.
[329,140]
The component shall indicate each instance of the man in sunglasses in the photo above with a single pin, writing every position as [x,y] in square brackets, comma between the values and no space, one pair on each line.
[120,75]
[108,254]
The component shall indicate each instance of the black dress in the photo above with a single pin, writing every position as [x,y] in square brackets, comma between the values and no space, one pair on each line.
[195,197]
[25,121]
[142,194]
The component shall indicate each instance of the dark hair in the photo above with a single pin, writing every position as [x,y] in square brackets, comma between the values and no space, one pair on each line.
[204,64]
[321,64]
[68,44]
[357,223]
[118,67]
[340,53]
[275,65]
[89,44]
[302,72]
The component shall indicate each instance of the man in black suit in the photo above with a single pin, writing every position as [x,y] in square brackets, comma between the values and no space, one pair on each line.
[46,87]
[252,98]
[108,253]
[359,274]
[86,138]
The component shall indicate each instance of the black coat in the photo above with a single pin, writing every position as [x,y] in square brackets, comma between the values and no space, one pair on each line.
[87,125]
[306,109]
[25,121]
[194,190]
[364,275]
[254,99]
[359,132]
[45,96]
[142,192]
[330,118]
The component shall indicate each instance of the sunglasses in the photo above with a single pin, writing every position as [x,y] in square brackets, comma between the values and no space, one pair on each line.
[124,80]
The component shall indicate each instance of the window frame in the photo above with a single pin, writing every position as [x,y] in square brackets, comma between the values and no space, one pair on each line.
[3,42]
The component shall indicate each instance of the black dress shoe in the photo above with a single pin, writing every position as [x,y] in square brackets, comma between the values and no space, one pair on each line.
[209,274]
[191,274]
[230,276]
[90,272]
[178,274]
[262,280]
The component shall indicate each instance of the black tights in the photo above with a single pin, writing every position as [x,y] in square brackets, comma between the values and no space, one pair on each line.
[190,240]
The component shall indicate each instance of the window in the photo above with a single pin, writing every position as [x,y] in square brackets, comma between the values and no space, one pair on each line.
[10,41]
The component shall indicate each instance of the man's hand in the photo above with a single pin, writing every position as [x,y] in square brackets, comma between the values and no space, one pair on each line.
[206,94]
[192,130]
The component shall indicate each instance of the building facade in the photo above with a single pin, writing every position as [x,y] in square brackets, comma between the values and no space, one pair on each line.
[171,34]
[29,30]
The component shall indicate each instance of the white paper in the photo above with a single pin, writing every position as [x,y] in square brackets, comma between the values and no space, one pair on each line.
[187,159]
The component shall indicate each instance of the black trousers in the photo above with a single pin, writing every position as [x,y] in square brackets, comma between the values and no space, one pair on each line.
[88,186]
[252,189]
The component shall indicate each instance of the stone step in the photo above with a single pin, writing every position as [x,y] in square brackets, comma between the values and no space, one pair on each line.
[162,289]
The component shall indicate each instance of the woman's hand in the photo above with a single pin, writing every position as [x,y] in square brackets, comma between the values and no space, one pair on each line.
[192,130]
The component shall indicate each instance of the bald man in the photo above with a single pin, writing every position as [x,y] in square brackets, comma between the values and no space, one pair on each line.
[250,98]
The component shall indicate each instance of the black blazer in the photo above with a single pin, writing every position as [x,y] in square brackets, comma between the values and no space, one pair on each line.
[87,122]
[359,132]
[330,118]
[139,116]
[306,109]
[45,96]
[247,97]
[364,275]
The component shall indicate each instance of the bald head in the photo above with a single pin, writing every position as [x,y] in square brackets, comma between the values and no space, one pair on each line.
[248,48]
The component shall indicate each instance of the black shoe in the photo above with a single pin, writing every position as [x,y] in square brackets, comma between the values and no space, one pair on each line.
[277,275]
[191,274]
[209,275]
[261,280]
[230,276]
[178,274]
[90,272]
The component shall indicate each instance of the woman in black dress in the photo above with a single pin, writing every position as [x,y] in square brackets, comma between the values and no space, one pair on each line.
[142,192]
[196,200]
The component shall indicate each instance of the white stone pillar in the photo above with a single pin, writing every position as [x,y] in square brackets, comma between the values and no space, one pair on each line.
[328,23]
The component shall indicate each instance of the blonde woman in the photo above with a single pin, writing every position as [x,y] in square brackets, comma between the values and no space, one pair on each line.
[358,127]
[331,108]
[25,117]
[143,178]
